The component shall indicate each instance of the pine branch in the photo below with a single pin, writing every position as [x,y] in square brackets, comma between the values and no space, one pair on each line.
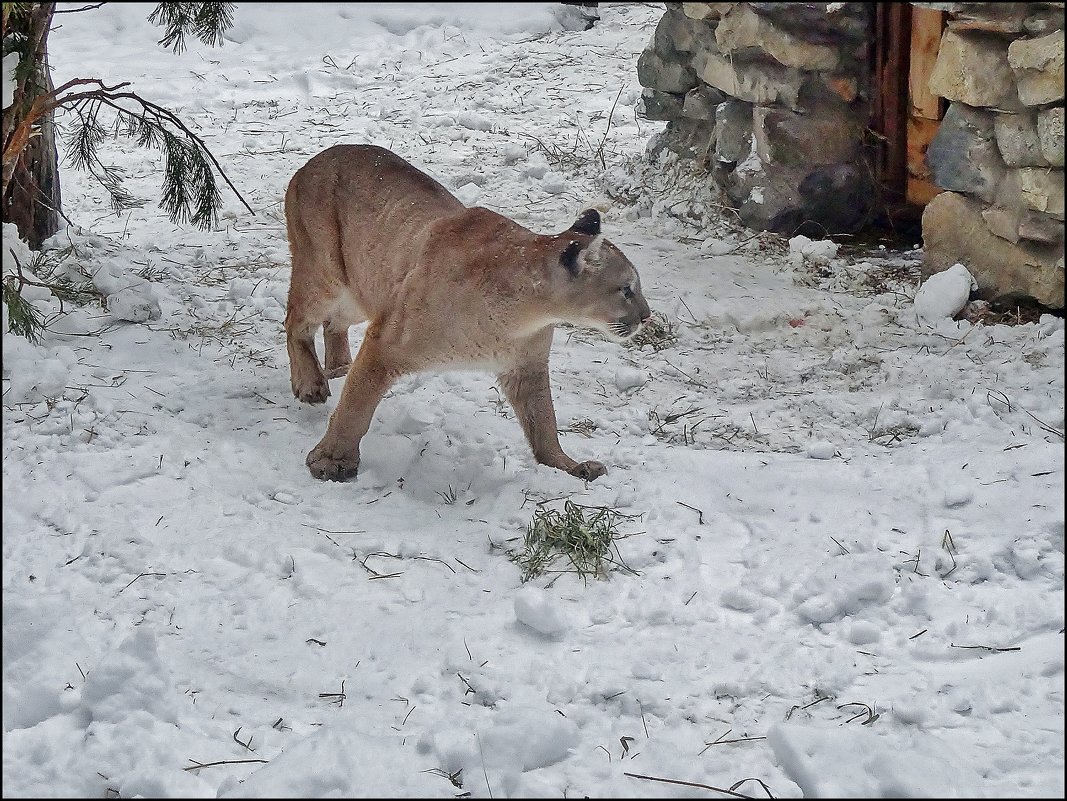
[22,316]
[190,192]
[206,21]
[188,162]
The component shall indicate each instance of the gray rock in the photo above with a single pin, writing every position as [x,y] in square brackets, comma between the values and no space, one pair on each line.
[1050,135]
[1044,20]
[655,72]
[677,32]
[850,23]
[816,137]
[657,105]
[701,102]
[1004,217]
[954,231]
[742,29]
[1004,18]
[733,130]
[708,11]
[1042,190]
[754,82]
[963,156]
[690,139]
[1003,222]
[1025,205]
[974,69]
[790,200]
[1038,66]
[1041,228]
[1017,139]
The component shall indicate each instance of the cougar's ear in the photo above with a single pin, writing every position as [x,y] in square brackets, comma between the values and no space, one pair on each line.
[588,222]
[578,259]
[571,258]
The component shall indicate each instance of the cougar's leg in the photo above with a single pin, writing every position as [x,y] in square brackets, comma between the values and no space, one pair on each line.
[304,312]
[305,374]
[338,351]
[527,388]
[336,457]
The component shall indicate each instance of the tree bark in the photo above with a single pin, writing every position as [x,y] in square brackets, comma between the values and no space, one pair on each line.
[31,190]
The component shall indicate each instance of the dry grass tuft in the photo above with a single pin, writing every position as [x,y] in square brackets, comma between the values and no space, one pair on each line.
[583,535]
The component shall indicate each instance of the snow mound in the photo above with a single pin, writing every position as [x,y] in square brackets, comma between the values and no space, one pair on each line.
[628,378]
[943,295]
[540,611]
[131,680]
[821,449]
[537,738]
[844,585]
[348,764]
[129,297]
[802,249]
[858,763]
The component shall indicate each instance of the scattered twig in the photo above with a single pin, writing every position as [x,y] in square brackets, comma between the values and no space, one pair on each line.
[484,772]
[470,690]
[730,793]
[986,647]
[700,514]
[338,698]
[200,765]
[247,745]
[798,707]
[872,716]
[762,784]
[141,575]
[720,740]
[950,549]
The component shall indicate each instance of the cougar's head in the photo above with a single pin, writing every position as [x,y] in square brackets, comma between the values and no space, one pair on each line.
[603,290]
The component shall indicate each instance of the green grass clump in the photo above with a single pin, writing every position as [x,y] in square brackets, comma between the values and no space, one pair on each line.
[583,535]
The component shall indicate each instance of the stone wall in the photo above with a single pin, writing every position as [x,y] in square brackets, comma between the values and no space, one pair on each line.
[999,150]
[774,100]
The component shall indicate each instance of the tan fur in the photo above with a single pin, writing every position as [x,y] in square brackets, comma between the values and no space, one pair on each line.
[443,286]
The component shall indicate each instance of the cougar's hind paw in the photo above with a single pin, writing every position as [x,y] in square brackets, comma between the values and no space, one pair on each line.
[589,471]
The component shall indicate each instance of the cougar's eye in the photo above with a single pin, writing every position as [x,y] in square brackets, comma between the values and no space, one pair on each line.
[627,292]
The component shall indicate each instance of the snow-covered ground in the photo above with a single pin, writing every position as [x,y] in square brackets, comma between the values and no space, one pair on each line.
[849,553]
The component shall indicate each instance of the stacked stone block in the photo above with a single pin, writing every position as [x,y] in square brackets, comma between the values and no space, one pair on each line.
[999,150]
[772,100]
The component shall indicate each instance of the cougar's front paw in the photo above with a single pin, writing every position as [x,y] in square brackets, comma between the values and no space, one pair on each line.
[312,391]
[326,466]
[589,471]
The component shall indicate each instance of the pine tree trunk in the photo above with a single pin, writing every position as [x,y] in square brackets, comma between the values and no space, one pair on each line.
[31,192]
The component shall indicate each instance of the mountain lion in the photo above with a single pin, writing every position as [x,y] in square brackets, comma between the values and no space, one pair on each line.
[443,286]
